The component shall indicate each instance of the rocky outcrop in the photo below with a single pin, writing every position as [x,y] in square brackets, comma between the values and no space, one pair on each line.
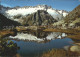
[75,48]
[41,17]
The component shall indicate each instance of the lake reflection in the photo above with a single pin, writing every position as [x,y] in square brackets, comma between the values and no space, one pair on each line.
[39,37]
[33,44]
[28,48]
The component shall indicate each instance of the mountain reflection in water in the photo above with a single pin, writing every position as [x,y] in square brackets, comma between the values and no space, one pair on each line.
[32,49]
[39,36]
[44,41]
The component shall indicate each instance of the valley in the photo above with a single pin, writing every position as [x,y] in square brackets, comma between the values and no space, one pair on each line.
[42,29]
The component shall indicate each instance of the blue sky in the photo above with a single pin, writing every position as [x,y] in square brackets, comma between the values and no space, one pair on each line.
[57,4]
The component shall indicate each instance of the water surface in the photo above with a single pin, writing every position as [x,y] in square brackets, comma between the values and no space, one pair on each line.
[32,48]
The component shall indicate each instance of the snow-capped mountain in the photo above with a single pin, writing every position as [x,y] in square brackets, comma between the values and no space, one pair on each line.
[24,11]
[3,9]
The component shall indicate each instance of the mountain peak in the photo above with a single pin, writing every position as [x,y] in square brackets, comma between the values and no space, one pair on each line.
[45,6]
[26,10]
[41,17]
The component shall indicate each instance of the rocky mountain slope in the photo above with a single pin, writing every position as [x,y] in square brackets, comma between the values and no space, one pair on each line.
[40,17]
[72,20]
[5,22]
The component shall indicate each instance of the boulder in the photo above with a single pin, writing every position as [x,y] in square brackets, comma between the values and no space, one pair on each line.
[75,48]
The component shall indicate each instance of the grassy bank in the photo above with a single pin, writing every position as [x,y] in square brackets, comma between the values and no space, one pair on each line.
[72,33]
[4,33]
[60,53]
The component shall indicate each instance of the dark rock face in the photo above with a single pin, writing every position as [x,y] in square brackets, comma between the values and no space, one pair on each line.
[41,17]
[7,22]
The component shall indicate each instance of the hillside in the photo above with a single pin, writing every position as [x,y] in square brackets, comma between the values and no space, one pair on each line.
[5,22]
[72,20]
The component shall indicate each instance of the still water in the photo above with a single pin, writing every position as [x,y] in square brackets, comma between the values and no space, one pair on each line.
[33,48]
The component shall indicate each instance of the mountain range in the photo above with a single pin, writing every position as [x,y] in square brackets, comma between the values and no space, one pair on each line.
[42,15]
[34,15]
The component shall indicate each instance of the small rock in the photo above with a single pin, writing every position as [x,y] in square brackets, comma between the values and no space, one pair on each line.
[75,48]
